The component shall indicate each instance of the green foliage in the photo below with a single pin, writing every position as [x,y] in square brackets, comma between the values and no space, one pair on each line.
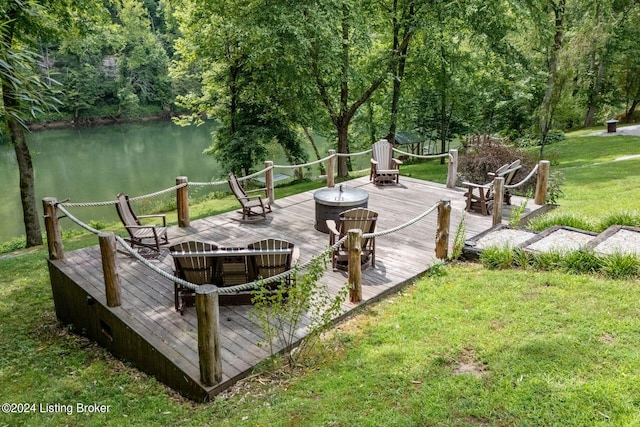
[458,239]
[621,266]
[548,261]
[438,269]
[522,259]
[554,186]
[497,258]
[12,245]
[581,261]
[628,218]
[280,314]
[516,214]
[548,220]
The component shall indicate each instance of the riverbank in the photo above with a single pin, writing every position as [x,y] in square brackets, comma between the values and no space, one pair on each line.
[98,121]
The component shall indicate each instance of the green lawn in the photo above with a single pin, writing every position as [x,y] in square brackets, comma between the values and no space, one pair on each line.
[466,347]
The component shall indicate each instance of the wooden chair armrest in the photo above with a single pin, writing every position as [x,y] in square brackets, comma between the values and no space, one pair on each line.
[256,190]
[333,230]
[474,185]
[374,162]
[397,161]
[163,216]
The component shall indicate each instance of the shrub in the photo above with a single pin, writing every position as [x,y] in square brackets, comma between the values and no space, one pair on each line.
[479,156]
[621,218]
[522,258]
[547,260]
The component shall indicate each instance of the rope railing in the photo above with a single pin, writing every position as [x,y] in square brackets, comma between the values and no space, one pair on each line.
[527,178]
[315,162]
[354,154]
[401,226]
[113,202]
[420,156]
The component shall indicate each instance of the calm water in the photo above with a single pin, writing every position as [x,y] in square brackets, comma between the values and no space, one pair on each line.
[95,164]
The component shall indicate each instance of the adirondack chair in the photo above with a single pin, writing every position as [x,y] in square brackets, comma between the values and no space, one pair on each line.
[480,196]
[384,168]
[282,257]
[252,206]
[149,236]
[358,218]
[192,265]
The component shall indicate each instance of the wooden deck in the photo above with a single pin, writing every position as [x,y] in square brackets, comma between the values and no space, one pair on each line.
[147,331]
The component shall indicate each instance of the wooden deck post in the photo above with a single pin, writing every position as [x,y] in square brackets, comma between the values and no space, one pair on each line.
[542,182]
[442,233]
[182,201]
[354,244]
[208,313]
[268,180]
[452,171]
[331,167]
[498,197]
[109,268]
[54,237]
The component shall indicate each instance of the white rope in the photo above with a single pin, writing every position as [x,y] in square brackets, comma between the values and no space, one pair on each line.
[76,220]
[304,164]
[354,154]
[113,202]
[201,184]
[400,227]
[244,178]
[527,178]
[432,156]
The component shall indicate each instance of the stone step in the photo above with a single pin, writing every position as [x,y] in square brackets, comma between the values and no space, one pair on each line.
[623,239]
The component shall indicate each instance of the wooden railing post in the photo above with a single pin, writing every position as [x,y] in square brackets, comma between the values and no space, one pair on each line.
[498,197]
[268,180]
[542,182]
[354,245]
[208,314]
[331,167]
[442,234]
[52,228]
[452,170]
[182,201]
[109,268]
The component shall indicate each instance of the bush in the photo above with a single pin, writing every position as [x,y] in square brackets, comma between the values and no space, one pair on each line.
[497,258]
[479,156]
[620,266]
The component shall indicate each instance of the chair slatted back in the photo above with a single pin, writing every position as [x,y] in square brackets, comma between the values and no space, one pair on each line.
[198,269]
[236,189]
[382,152]
[234,268]
[360,218]
[268,265]
[125,212]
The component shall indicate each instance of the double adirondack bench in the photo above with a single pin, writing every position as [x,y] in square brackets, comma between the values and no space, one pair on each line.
[205,263]
[480,196]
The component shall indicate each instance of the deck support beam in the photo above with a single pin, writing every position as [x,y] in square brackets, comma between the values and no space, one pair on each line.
[268,180]
[498,199]
[331,167]
[109,268]
[442,233]
[354,244]
[182,201]
[542,182]
[208,313]
[52,228]
[452,168]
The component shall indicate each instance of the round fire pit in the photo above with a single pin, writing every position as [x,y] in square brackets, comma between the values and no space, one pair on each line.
[331,202]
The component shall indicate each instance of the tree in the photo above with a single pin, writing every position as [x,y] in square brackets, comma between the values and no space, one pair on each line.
[23,92]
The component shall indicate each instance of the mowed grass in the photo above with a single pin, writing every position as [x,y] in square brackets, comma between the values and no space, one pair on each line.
[467,347]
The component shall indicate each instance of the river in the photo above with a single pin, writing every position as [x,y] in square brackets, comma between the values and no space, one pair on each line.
[94,164]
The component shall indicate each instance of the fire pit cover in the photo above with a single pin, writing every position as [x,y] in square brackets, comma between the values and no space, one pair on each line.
[330,202]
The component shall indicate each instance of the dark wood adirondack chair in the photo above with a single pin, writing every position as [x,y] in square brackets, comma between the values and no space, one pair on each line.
[479,197]
[385,169]
[278,256]
[252,206]
[191,263]
[360,218]
[150,236]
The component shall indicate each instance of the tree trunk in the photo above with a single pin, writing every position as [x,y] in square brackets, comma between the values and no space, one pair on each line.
[547,108]
[315,148]
[27,183]
[343,147]
[23,156]
[629,115]
[594,92]
[398,69]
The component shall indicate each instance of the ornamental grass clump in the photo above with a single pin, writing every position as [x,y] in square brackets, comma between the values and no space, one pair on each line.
[497,258]
[582,261]
[620,266]
[568,220]
[628,218]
